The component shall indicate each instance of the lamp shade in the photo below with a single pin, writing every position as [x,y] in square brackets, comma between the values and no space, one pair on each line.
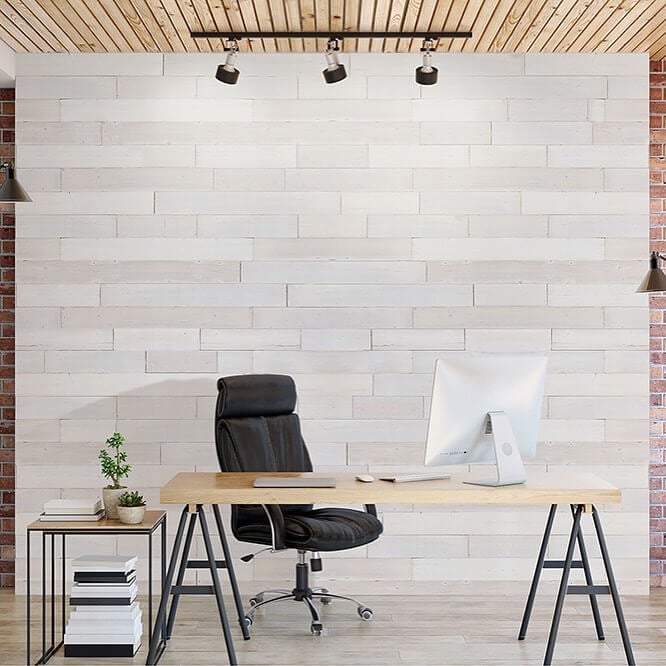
[12,190]
[655,280]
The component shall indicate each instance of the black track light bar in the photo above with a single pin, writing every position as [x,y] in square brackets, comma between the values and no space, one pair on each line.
[331,35]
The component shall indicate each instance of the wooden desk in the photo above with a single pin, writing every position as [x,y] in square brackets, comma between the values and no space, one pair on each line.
[581,491]
[152,521]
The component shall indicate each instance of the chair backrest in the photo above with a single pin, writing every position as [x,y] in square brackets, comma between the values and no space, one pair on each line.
[256,430]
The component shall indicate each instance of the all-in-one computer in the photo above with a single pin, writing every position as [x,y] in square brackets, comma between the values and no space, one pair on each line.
[486,408]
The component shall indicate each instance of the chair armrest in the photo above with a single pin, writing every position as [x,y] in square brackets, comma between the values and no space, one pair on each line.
[276,521]
[371,509]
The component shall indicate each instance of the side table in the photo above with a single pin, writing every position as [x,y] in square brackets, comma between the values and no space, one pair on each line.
[152,521]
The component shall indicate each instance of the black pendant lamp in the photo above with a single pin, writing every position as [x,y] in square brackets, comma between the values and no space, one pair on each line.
[12,191]
[655,280]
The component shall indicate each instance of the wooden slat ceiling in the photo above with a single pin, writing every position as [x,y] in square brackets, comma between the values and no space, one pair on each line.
[498,25]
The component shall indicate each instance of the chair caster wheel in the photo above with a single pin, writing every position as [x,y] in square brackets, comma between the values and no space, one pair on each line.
[249,621]
[326,601]
[316,628]
[256,600]
[365,613]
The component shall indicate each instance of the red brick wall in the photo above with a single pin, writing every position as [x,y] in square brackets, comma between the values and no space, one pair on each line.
[657,328]
[7,290]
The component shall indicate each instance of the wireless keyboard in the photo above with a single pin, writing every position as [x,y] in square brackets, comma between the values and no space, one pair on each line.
[404,478]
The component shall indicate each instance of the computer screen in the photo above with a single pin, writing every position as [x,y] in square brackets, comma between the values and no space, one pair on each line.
[486,408]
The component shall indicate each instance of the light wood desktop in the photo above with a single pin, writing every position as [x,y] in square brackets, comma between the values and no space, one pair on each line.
[581,491]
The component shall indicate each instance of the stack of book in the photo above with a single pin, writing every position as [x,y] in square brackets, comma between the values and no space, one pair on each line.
[106,618]
[72,509]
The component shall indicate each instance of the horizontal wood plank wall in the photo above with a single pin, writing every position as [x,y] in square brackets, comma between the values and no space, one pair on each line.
[347,235]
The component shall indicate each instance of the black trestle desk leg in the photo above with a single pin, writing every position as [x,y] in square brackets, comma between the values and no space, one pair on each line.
[537,573]
[181,574]
[43,658]
[615,594]
[564,581]
[166,592]
[212,565]
[231,572]
[27,595]
[589,581]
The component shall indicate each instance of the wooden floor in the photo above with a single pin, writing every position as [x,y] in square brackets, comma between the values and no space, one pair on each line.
[405,630]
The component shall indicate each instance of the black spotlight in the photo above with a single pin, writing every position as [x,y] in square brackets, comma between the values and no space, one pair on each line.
[227,73]
[334,71]
[427,74]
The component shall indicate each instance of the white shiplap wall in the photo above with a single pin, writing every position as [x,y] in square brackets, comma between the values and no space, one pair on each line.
[347,235]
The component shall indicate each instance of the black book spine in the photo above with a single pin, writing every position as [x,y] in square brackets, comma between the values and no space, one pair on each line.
[100,601]
[103,576]
[79,650]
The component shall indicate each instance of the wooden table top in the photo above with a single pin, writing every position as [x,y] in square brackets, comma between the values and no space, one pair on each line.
[149,522]
[236,488]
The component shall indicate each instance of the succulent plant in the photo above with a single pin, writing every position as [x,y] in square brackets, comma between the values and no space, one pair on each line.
[114,466]
[131,499]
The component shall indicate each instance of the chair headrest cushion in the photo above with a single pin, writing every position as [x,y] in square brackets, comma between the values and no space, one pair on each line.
[255,395]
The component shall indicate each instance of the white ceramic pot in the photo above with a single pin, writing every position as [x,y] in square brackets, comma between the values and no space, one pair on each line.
[131,515]
[111,497]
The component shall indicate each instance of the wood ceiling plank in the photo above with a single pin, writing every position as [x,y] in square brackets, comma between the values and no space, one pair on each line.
[68,11]
[655,43]
[99,22]
[352,17]
[180,24]
[573,25]
[164,20]
[293,14]
[60,13]
[624,38]
[366,22]
[520,8]
[467,22]
[14,17]
[380,23]
[227,16]
[40,18]
[453,22]
[566,11]
[589,24]
[117,17]
[439,21]
[426,9]
[193,20]
[395,20]
[537,26]
[597,32]
[480,25]
[279,15]
[497,21]
[308,15]
[16,40]
[529,16]
[135,22]
[257,16]
[152,25]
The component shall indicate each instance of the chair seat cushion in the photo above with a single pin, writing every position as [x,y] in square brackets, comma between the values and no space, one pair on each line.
[326,529]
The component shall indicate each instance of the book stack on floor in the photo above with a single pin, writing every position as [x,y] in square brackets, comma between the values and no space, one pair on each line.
[106,618]
[57,510]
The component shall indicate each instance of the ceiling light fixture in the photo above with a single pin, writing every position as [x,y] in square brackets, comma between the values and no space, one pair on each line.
[655,280]
[334,71]
[227,73]
[426,75]
[11,190]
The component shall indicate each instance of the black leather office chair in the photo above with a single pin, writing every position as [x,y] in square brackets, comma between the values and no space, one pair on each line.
[257,431]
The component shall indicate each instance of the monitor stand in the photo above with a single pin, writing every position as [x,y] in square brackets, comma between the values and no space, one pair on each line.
[510,468]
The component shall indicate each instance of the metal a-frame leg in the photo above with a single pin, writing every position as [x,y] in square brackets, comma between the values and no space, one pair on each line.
[615,595]
[238,601]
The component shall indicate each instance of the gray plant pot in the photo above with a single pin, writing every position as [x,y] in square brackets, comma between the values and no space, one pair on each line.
[111,497]
[131,515]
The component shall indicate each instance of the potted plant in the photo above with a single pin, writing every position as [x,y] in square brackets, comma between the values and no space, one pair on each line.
[114,468]
[131,507]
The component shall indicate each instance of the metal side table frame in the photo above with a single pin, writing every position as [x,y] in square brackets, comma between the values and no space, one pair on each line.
[103,527]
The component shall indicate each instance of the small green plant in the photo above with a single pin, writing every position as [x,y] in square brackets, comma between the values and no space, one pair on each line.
[131,499]
[114,465]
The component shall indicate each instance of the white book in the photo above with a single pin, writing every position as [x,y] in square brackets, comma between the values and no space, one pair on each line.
[111,611]
[101,627]
[66,506]
[130,638]
[71,517]
[102,593]
[122,563]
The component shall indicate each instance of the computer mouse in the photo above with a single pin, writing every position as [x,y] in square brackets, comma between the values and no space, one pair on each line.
[366,478]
